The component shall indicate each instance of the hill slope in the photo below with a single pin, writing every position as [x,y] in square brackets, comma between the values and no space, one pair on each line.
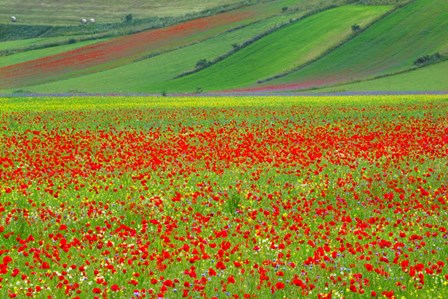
[282,50]
[125,50]
[320,50]
[389,46]
[118,51]
[149,75]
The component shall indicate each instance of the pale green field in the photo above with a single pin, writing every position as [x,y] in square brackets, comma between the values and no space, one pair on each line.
[430,78]
[70,12]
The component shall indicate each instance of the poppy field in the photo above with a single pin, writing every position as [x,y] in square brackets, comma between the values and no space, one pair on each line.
[263,197]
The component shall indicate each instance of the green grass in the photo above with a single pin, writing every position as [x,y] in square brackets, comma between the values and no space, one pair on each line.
[282,50]
[39,42]
[70,12]
[36,54]
[149,75]
[389,46]
[30,42]
[430,78]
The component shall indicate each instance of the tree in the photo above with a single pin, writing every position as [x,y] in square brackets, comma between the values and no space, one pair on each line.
[202,63]
[284,9]
[356,28]
[129,18]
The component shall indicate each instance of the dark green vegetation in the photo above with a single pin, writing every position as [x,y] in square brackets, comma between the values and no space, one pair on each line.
[376,45]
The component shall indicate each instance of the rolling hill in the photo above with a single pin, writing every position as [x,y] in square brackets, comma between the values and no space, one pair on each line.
[287,48]
[125,50]
[264,46]
[149,75]
[118,51]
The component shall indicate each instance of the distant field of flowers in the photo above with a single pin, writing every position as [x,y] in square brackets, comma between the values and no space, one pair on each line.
[338,197]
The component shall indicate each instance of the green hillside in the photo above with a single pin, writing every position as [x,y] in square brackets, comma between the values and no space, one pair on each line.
[270,46]
[70,12]
[282,50]
[149,75]
[389,46]
[430,78]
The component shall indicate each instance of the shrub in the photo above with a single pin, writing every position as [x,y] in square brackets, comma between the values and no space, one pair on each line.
[428,59]
[202,63]
[129,18]
[199,90]
[356,28]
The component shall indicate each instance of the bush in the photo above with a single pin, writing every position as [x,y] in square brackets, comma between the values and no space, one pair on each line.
[356,28]
[203,63]
[128,18]
[428,59]
[199,90]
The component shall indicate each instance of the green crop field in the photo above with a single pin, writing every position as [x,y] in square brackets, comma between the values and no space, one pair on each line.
[389,46]
[430,78]
[284,49]
[70,12]
[30,42]
[263,13]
